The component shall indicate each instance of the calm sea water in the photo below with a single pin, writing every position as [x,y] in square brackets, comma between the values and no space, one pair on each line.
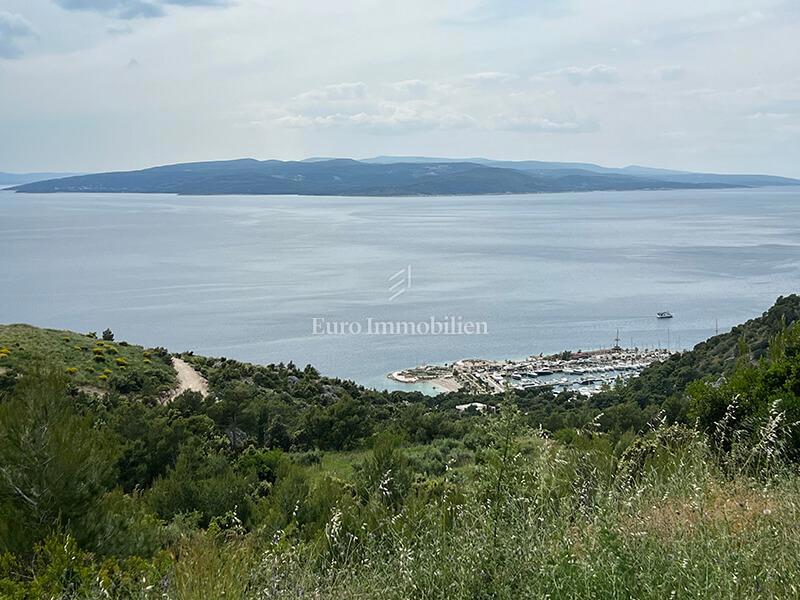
[244,277]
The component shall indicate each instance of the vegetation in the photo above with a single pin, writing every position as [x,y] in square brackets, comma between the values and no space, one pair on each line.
[93,365]
[283,483]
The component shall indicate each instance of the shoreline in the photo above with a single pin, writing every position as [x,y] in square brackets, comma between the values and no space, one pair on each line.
[584,372]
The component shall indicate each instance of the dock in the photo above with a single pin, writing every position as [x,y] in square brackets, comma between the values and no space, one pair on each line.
[586,373]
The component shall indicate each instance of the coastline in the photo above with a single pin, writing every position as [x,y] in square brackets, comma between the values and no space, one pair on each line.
[584,372]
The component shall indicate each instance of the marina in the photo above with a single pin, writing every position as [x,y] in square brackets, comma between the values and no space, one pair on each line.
[586,373]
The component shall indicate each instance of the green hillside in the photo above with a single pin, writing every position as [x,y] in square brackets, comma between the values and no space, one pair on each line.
[713,357]
[91,363]
[282,483]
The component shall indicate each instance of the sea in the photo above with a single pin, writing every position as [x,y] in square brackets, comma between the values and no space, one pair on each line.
[361,287]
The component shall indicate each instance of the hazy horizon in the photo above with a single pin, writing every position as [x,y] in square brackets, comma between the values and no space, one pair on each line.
[98,85]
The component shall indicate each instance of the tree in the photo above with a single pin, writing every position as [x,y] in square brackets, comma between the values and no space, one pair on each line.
[54,465]
[108,335]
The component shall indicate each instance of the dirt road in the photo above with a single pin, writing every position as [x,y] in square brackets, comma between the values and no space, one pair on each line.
[188,379]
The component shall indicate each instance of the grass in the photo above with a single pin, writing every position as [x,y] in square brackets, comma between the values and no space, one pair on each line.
[536,520]
[89,362]
[339,464]
[342,464]
[557,528]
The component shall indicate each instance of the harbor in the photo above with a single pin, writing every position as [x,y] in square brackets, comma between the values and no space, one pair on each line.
[586,373]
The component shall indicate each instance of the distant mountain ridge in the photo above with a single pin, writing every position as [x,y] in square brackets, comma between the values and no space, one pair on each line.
[390,176]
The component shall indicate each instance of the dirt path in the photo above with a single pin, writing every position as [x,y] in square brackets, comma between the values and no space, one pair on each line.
[188,379]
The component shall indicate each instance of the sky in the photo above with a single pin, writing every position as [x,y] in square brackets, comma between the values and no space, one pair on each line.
[709,85]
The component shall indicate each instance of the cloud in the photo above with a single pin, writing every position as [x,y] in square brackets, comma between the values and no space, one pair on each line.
[133,9]
[490,77]
[769,116]
[543,124]
[670,73]
[414,105]
[413,88]
[121,9]
[581,75]
[13,28]
[387,117]
[341,98]
[751,18]
[395,108]
[336,92]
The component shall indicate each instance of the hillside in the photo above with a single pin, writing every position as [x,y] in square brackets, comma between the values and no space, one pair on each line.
[90,363]
[715,357]
[557,169]
[346,177]
[283,483]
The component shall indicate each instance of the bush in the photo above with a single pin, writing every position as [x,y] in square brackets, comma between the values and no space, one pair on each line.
[308,459]
[50,454]
[128,382]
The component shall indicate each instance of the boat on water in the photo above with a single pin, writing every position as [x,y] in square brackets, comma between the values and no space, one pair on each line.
[664,315]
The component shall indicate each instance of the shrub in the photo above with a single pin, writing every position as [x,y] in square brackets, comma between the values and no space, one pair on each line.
[128,382]
[72,370]
[308,459]
[66,465]
[108,335]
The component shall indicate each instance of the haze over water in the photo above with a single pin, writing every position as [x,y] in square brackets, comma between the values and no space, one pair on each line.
[244,277]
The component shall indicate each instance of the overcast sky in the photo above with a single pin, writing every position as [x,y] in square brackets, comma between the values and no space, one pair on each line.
[91,85]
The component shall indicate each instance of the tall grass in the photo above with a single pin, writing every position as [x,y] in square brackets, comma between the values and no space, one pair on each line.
[666,520]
